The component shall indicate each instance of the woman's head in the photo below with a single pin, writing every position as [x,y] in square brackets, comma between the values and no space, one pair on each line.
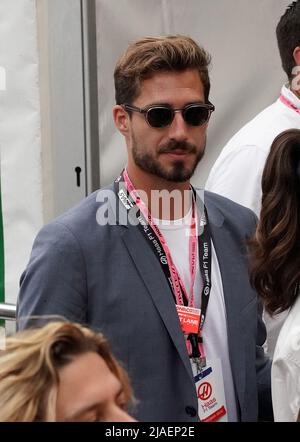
[275,272]
[281,174]
[62,371]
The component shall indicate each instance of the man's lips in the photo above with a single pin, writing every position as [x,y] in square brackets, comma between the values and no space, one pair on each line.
[177,153]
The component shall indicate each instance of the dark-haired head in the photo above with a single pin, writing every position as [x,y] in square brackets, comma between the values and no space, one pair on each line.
[288,38]
[275,249]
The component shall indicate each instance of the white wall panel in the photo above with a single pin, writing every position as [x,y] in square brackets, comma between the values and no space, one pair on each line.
[20,141]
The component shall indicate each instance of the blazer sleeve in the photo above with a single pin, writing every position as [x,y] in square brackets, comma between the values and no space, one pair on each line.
[54,282]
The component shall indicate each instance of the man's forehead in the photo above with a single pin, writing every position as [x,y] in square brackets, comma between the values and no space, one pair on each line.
[163,86]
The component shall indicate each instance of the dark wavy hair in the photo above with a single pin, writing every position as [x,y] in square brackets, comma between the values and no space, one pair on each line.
[275,248]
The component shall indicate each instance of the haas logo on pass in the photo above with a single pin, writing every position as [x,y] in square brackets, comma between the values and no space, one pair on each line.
[204,391]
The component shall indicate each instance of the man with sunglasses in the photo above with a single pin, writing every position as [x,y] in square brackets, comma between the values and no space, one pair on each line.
[154,263]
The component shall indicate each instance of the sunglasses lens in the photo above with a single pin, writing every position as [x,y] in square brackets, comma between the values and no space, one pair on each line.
[196,115]
[159,116]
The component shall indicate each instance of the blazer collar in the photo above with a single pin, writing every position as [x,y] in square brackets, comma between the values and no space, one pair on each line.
[215,215]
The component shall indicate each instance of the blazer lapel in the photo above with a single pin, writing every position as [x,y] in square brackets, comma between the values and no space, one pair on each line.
[155,282]
[158,288]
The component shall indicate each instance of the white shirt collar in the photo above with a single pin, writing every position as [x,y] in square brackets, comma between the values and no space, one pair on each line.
[287,93]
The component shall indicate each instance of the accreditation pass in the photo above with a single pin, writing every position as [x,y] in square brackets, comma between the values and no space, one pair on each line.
[210,392]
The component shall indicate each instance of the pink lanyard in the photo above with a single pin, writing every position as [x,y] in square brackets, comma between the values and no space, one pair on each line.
[176,280]
[289,104]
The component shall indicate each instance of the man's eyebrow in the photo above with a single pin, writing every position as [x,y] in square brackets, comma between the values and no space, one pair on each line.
[157,103]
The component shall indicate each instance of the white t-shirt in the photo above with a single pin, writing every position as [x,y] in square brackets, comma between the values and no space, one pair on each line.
[238,170]
[176,234]
[286,369]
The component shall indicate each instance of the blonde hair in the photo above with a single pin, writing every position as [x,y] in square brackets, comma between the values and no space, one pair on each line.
[30,363]
[150,55]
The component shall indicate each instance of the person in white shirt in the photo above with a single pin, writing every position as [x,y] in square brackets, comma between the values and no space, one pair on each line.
[237,171]
[275,272]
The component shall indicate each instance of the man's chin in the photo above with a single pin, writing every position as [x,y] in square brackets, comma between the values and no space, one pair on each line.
[175,172]
[180,171]
[179,175]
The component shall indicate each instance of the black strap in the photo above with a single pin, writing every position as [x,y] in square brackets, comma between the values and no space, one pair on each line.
[204,251]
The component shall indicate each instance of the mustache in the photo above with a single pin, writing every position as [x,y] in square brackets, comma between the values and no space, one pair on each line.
[173,145]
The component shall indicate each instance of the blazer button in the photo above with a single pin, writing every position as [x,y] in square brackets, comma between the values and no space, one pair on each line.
[191,411]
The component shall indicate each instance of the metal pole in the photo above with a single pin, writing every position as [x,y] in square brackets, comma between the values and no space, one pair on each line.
[7,311]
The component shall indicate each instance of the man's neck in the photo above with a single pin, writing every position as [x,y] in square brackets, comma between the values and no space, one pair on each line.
[165,199]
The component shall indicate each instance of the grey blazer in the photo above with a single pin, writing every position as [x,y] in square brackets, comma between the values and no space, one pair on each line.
[108,278]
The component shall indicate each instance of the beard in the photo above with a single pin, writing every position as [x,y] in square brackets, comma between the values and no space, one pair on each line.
[179,171]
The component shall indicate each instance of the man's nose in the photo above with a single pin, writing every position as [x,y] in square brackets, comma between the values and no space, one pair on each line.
[178,129]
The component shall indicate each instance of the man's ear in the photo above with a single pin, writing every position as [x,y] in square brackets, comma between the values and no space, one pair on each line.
[121,119]
[296,55]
